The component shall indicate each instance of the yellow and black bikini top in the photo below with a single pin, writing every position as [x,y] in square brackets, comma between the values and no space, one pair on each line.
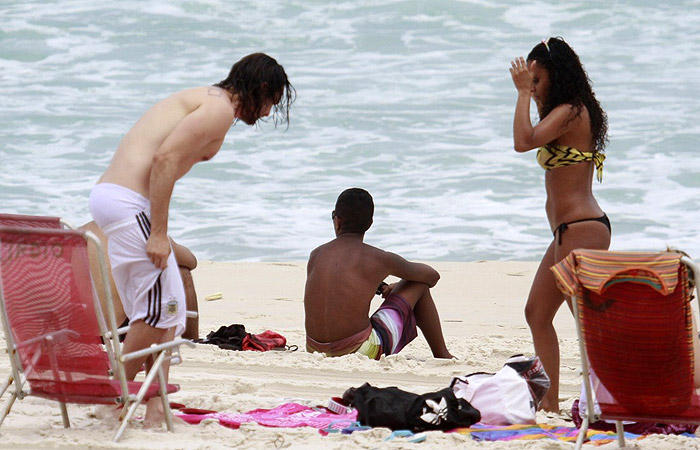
[552,156]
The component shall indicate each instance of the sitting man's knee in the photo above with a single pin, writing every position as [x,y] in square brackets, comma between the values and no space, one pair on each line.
[184,256]
[411,291]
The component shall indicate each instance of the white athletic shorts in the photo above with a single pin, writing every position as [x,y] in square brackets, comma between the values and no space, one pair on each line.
[155,296]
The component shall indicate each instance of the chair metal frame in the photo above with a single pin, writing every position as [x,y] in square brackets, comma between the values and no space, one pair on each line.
[21,221]
[590,414]
[112,347]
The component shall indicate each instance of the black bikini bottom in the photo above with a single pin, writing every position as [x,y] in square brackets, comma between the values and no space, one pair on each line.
[562,228]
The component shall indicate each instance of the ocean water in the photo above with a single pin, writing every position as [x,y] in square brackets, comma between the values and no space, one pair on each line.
[409,99]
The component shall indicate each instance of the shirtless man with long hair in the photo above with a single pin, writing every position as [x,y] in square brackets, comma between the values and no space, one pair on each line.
[130,202]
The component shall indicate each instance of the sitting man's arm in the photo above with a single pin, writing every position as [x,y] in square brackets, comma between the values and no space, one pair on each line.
[411,271]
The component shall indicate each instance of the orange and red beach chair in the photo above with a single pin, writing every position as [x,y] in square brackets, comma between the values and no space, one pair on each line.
[635,325]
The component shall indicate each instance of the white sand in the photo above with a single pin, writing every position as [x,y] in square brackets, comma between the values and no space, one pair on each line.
[480,305]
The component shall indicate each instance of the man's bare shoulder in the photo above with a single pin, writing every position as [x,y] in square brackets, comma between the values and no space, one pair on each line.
[375,252]
[218,95]
[211,96]
[210,109]
[323,249]
[314,252]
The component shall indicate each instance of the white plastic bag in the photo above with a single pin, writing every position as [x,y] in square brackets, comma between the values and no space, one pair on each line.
[502,398]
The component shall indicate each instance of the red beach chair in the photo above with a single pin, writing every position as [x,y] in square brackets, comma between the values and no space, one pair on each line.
[51,222]
[60,344]
[634,321]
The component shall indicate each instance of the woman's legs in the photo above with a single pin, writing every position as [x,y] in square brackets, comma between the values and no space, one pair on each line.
[542,305]
[545,299]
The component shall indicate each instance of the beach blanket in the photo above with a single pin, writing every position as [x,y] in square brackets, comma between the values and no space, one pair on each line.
[482,432]
[287,415]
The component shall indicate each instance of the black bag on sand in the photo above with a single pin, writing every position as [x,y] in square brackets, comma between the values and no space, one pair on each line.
[400,410]
[228,337]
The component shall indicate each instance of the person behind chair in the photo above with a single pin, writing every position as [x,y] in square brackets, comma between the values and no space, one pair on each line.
[342,278]
[571,135]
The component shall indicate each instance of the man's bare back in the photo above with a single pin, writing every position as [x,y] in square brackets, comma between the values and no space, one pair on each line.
[185,128]
[342,278]
[133,160]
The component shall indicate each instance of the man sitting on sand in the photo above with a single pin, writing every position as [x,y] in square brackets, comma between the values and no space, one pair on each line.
[342,278]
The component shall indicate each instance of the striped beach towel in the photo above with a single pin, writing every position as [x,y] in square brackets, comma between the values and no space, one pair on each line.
[595,270]
[483,432]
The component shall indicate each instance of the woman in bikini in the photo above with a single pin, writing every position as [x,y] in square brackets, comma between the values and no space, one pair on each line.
[570,137]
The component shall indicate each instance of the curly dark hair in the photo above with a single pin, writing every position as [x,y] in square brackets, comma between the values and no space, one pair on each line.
[569,84]
[258,78]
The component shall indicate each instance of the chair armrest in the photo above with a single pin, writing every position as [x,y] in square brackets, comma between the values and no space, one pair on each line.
[155,348]
[120,332]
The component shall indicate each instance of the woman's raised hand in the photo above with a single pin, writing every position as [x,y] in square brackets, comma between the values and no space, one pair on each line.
[521,74]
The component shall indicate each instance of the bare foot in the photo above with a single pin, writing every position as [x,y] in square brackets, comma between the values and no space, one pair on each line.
[550,409]
[444,355]
[154,414]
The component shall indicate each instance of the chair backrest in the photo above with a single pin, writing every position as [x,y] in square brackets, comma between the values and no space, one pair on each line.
[634,315]
[19,220]
[49,312]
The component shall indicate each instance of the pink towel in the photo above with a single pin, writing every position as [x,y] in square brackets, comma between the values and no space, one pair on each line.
[288,415]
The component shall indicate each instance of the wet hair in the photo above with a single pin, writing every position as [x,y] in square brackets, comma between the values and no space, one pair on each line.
[356,207]
[258,78]
[569,84]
